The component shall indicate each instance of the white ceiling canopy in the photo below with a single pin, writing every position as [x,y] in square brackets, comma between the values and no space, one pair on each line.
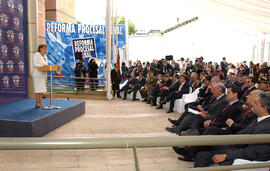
[254,14]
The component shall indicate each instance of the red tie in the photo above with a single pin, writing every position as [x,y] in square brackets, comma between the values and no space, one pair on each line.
[246,112]
[226,107]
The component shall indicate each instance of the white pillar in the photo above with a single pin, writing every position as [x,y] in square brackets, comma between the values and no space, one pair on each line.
[32,39]
[108,50]
[262,50]
[127,40]
[113,45]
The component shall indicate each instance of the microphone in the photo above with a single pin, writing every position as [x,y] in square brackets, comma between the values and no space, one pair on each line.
[49,53]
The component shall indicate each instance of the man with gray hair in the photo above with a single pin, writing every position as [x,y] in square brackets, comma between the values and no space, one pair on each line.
[259,152]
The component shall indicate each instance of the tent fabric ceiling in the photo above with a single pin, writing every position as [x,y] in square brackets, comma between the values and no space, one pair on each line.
[254,14]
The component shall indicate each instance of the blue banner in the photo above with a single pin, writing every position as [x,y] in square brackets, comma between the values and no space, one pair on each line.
[13,76]
[64,39]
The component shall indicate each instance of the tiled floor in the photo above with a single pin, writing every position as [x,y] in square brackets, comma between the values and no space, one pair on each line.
[116,118]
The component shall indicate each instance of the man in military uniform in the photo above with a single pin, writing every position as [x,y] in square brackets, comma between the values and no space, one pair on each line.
[150,82]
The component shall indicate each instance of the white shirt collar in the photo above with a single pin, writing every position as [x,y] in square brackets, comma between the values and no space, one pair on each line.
[231,103]
[220,96]
[251,87]
[259,119]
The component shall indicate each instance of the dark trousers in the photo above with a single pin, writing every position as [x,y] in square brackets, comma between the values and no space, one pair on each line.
[115,88]
[80,84]
[94,84]
[172,97]
[204,157]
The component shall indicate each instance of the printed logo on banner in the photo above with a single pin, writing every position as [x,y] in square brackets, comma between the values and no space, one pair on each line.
[10,35]
[10,66]
[16,22]
[4,50]
[1,66]
[10,5]
[5,81]
[4,19]
[85,45]
[21,66]
[16,51]
[16,80]
[20,35]
[20,8]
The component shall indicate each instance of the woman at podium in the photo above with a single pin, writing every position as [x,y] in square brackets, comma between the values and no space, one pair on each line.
[39,78]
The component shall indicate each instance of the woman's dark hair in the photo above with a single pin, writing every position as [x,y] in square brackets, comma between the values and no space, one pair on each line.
[41,46]
[91,60]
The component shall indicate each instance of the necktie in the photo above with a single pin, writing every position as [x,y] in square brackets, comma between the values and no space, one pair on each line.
[226,107]
[180,86]
[246,112]
[243,87]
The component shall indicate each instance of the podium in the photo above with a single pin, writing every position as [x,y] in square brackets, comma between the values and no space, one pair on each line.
[50,68]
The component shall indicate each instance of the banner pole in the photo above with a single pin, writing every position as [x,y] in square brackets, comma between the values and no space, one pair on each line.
[108,50]
[113,45]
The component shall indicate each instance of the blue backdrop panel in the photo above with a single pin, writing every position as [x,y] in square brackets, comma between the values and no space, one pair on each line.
[13,78]
[60,38]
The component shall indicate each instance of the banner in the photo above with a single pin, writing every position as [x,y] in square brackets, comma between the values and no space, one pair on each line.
[13,76]
[86,46]
[64,39]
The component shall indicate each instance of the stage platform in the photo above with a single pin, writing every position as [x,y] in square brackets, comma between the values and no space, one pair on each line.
[21,118]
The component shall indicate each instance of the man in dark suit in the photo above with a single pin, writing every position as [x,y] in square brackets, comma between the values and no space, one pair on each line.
[137,86]
[224,66]
[80,71]
[204,96]
[189,120]
[258,152]
[244,119]
[131,82]
[183,89]
[116,79]
[195,82]
[166,91]
[167,82]
[233,110]
[251,81]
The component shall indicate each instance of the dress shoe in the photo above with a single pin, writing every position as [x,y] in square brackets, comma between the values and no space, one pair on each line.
[153,104]
[145,100]
[183,152]
[170,111]
[148,102]
[186,159]
[173,130]
[190,132]
[172,121]
[178,150]
[159,107]
[124,98]
[162,102]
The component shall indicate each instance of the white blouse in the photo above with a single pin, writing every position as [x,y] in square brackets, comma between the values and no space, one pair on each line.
[38,61]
